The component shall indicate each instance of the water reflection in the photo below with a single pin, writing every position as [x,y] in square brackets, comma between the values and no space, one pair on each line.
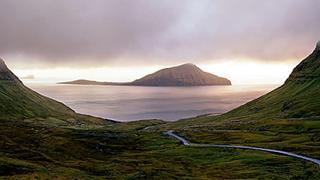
[126,103]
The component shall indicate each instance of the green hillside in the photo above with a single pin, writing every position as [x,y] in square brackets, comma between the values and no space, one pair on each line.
[18,102]
[298,97]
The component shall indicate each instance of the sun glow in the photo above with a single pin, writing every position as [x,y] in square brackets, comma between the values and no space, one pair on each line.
[108,74]
[243,72]
[251,72]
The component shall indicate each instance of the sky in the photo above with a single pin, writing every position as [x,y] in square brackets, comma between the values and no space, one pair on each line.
[247,41]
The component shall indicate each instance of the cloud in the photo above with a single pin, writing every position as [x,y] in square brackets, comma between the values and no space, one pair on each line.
[126,32]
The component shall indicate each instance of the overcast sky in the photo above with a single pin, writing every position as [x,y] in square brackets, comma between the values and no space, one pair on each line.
[82,33]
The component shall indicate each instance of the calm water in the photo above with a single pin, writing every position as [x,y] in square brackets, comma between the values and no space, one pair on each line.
[127,103]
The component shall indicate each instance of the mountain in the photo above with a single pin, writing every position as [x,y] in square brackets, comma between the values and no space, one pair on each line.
[18,102]
[183,75]
[298,97]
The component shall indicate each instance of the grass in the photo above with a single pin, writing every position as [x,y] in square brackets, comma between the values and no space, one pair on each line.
[295,135]
[36,151]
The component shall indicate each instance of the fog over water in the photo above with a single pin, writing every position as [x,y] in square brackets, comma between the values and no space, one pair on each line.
[127,103]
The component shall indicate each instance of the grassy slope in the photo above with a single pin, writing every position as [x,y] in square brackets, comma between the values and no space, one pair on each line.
[299,97]
[288,101]
[19,102]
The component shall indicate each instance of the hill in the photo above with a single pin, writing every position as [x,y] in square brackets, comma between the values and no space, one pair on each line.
[298,97]
[18,102]
[183,75]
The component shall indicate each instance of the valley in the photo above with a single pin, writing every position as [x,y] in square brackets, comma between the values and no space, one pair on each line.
[43,139]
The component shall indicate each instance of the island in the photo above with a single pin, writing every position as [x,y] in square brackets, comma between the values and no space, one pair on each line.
[182,75]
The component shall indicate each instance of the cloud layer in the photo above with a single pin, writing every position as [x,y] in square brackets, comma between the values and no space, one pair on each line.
[126,32]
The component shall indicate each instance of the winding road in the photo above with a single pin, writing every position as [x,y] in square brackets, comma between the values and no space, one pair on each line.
[187,143]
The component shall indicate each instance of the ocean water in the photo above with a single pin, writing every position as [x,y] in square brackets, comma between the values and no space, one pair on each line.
[128,103]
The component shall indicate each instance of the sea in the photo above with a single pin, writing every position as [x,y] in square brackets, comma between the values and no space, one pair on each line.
[130,103]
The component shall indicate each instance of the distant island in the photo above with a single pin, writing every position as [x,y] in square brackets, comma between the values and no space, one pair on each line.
[182,75]
[90,82]
[29,77]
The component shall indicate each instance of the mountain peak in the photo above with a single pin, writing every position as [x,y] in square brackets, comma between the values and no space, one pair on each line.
[3,66]
[318,45]
[188,64]
[308,69]
[6,74]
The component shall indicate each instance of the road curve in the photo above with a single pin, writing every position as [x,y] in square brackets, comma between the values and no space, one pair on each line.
[187,143]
